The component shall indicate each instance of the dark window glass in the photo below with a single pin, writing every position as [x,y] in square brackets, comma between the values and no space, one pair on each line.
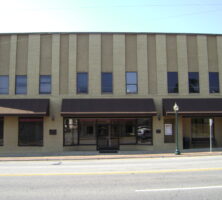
[193,82]
[21,84]
[30,132]
[1,131]
[71,135]
[131,82]
[107,83]
[45,84]
[214,82]
[172,78]
[3,84]
[82,82]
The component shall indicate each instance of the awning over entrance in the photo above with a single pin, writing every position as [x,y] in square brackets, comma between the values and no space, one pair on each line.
[24,107]
[194,107]
[108,107]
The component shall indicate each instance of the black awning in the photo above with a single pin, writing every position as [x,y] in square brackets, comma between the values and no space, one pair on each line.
[24,107]
[108,107]
[195,106]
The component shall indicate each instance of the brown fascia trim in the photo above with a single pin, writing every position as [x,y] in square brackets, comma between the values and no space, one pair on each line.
[107,113]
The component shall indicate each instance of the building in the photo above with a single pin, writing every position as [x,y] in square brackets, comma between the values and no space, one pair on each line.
[95,91]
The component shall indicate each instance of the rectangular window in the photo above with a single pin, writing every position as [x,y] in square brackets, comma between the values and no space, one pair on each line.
[82,82]
[172,79]
[131,82]
[71,135]
[169,129]
[107,82]
[45,84]
[30,132]
[1,131]
[4,84]
[214,82]
[21,84]
[194,82]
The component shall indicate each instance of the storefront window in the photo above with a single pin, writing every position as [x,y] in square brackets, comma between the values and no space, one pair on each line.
[1,131]
[30,132]
[122,131]
[70,131]
[200,127]
[87,134]
[144,131]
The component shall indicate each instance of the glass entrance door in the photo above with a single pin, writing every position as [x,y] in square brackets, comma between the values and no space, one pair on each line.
[107,138]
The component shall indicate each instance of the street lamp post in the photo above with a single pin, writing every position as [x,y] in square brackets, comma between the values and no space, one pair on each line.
[176,109]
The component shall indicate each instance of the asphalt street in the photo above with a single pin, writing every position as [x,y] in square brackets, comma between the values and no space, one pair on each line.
[153,178]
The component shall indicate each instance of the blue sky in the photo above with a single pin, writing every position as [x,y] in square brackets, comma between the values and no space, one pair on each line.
[181,16]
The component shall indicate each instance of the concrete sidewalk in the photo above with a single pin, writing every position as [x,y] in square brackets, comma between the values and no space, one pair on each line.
[95,155]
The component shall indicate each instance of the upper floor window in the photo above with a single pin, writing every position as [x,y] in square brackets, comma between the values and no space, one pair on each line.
[82,82]
[45,84]
[172,80]
[131,82]
[107,82]
[194,82]
[4,84]
[214,82]
[21,84]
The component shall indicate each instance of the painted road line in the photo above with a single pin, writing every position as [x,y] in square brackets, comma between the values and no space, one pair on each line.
[176,189]
[114,172]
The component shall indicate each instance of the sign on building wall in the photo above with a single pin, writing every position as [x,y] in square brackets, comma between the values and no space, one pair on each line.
[168,129]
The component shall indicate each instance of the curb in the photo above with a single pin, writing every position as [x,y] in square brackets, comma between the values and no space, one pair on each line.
[105,157]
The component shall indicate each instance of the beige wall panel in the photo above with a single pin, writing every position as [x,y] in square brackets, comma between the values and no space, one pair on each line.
[4,54]
[182,64]
[55,63]
[192,53]
[54,143]
[171,48]
[12,64]
[46,55]
[64,63]
[142,64]
[82,52]
[152,72]
[219,50]
[217,132]
[72,64]
[212,53]
[203,64]
[107,52]
[131,52]
[10,134]
[119,82]
[161,64]
[95,64]
[33,64]
[22,55]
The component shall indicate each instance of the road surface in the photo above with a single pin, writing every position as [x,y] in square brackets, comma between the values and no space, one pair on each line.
[154,178]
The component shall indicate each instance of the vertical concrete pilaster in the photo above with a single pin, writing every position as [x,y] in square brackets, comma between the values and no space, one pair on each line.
[161,64]
[119,82]
[203,64]
[55,63]
[182,64]
[95,65]
[33,64]
[219,52]
[142,64]
[12,64]
[72,64]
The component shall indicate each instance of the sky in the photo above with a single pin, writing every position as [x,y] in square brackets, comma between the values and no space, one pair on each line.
[170,16]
